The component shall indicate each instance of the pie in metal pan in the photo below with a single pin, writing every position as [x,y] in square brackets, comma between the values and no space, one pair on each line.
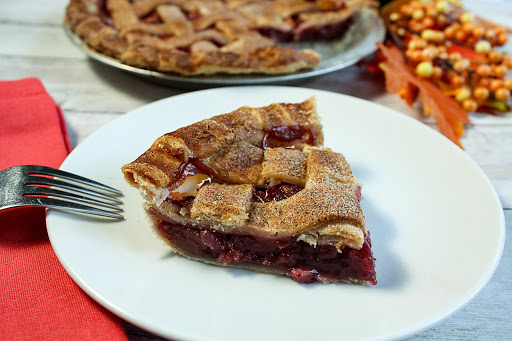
[225,42]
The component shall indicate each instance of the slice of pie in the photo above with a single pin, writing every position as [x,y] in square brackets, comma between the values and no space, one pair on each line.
[202,37]
[254,189]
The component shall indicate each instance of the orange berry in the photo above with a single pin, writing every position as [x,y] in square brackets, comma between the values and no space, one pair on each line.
[490,34]
[502,39]
[428,22]
[406,10]
[449,32]
[468,28]
[470,105]
[457,80]
[502,94]
[478,31]
[484,82]
[507,61]
[460,35]
[500,71]
[481,93]
[500,29]
[429,53]
[442,20]
[495,56]
[438,72]
[484,70]
[508,83]
[496,84]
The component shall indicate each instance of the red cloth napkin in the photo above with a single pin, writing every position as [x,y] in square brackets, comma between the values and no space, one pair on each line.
[39,301]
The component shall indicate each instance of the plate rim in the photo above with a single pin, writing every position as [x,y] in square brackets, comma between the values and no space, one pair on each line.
[405,333]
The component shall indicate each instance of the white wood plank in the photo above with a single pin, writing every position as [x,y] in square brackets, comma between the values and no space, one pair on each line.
[49,12]
[86,85]
[37,41]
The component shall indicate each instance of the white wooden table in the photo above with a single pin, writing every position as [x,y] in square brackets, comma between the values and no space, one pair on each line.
[33,44]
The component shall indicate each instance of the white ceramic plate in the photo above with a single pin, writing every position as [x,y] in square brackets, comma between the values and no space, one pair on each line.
[359,41]
[436,222]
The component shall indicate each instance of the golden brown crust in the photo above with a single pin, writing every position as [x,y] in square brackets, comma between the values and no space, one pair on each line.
[213,140]
[326,210]
[203,37]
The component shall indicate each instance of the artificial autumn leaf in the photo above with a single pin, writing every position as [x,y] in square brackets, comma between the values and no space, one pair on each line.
[401,79]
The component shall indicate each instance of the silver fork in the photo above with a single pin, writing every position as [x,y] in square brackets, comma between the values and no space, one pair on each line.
[32,186]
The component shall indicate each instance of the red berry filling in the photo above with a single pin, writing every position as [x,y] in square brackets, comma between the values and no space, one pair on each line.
[303,262]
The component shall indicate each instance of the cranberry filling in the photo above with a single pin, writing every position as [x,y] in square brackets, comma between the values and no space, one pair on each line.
[276,34]
[104,12]
[275,193]
[192,166]
[300,260]
[286,136]
[152,18]
[323,32]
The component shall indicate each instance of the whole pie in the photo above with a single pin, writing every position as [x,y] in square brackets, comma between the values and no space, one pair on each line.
[254,189]
[201,37]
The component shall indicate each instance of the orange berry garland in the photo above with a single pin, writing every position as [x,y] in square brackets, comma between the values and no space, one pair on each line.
[450,47]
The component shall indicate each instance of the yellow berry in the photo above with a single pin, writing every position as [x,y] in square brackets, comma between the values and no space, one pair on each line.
[418,14]
[466,17]
[461,65]
[394,16]
[470,105]
[428,35]
[425,69]
[442,6]
[462,94]
[483,46]
[454,56]
[502,94]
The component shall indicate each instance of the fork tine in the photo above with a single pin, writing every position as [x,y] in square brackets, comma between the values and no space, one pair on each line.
[38,180]
[67,206]
[67,195]
[73,177]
